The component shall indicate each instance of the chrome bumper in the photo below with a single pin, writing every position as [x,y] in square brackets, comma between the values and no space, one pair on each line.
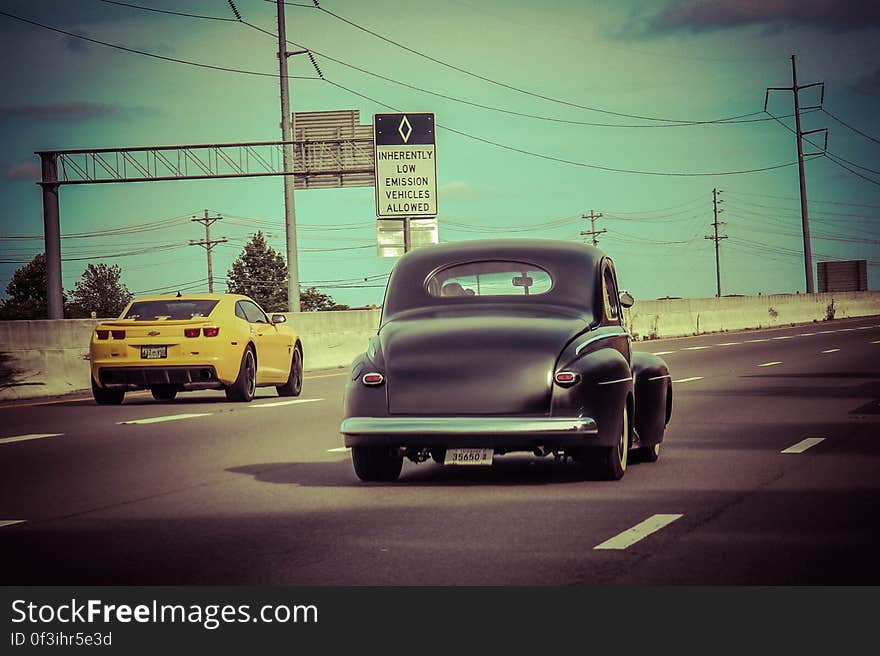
[466,425]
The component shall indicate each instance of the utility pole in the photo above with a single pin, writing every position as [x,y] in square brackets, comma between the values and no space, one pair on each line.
[207,243]
[289,180]
[592,231]
[805,218]
[717,238]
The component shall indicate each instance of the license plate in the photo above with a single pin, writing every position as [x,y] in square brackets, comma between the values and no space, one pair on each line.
[154,352]
[468,457]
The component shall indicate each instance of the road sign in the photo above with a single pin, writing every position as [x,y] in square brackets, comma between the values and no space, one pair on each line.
[392,242]
[406,165]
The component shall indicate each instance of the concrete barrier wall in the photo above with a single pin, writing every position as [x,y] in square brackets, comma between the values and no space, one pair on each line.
[695,316]
[46,358]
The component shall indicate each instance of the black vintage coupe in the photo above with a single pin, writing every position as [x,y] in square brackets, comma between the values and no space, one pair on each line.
[491,347]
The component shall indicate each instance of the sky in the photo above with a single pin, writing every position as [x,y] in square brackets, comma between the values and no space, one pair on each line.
[609,106]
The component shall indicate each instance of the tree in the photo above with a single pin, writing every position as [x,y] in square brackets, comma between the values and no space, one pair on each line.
[260,272]
[312,300]
[100,291]
[27,292]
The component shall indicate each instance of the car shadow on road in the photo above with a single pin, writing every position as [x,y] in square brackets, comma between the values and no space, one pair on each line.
[506,470]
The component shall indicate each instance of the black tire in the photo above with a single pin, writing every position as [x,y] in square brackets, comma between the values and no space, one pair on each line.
[293,386]
[163,392]
[245,385]
[107,396]
[372,463]
[648,453]
[612,462]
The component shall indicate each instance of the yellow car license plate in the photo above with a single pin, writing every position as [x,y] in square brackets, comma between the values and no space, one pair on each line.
[154,352]
[468,457]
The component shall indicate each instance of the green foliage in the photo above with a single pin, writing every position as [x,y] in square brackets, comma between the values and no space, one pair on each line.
[260,272]
[99,290]
[27,292]
[312,300]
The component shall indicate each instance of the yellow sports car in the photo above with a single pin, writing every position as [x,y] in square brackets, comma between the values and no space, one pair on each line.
[199,341]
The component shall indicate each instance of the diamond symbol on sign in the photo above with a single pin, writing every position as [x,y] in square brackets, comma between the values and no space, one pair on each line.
[405,129]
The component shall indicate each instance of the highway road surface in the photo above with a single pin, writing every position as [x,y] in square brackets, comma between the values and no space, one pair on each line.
[769,474]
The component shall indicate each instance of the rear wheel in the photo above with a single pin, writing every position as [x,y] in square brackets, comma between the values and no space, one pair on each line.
[245,384]
[104,396]
[373,463]
[163,392]
[612,462]
[293,386]
[648,453]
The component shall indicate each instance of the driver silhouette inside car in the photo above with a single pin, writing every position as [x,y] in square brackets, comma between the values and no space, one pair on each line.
[455,289]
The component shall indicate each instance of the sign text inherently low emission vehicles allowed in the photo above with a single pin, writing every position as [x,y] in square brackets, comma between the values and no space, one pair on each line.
[406,165]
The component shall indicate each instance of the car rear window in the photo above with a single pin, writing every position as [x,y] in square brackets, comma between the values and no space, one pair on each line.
[489,278]
[170,309]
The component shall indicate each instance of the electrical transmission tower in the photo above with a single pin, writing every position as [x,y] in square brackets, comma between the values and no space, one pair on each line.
[799,134]
[592,232]
[207,243]
[717,238]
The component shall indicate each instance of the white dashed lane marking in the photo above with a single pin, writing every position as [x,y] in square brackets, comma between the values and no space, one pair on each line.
[638,532]
[786,337]
[687,380]
[803,445]
[11,522]
[834,350]
[696,348]
[729,344]
[26,438]
[876,341]
[338,449]
[275,404]
[770,364]
[158,420]
[663,352]
[763,339]
[806,334]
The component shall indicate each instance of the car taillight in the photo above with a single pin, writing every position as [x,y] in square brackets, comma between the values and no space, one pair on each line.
[118,334]
[103,334]
[566,378]
[191,332]
[211,332]
[373,378]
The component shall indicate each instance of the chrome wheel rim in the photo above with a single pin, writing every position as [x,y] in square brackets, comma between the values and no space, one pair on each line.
[250,372]
[297,371]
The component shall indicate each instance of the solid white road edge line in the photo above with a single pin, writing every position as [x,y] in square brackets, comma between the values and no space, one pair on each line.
[157,420]
[687,380]
[638,532]
[275,404]
[803,445]
[25,438]
[770,364]
[834,350]
[11,522]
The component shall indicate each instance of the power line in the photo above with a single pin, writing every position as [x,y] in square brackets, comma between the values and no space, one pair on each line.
[165,11]
[146,53]
[518,89]
[854,129]
[567,161]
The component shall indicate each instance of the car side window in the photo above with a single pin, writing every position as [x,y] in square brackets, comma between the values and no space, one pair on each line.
[239,311]
[609,294]
[253,313]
